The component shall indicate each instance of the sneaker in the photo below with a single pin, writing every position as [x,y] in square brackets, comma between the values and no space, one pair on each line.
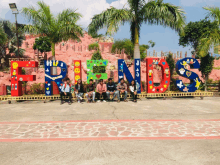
[104,101]
[98,101]
[78,101]
[80,98]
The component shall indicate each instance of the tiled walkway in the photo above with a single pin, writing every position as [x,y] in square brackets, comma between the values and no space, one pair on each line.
[109,130]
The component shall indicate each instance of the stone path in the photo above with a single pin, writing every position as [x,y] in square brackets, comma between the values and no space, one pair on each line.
[109,130]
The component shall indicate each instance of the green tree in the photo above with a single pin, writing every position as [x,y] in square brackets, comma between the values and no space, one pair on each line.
[3,36]
[153,12]
[94,46]
[125,44]
[213,37]
[10,30]
[42,44]
[97,56]
[60,28]
[3,40]
[206,66]
[171,62]
[128,46]
[195,31]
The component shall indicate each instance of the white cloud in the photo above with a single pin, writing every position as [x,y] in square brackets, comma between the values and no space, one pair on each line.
[87,8]
[196,2]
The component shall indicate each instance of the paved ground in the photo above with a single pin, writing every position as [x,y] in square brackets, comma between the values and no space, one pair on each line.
[178,131]
[109,130]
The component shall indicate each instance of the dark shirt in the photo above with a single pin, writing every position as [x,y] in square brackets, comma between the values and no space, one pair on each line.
[111,87]
[80,90]
[90,87]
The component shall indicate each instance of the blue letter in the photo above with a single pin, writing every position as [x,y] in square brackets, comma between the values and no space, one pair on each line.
[123,69]
[181,69]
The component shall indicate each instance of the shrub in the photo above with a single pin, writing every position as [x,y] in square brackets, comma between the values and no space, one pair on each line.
[94,46]
[143,85]
[173,86]
[98,69]
[37,88]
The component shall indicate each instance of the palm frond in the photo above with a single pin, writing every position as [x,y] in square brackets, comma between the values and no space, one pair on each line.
[166,14]
[205,44]
[214,12]
[111,19]
[62,27]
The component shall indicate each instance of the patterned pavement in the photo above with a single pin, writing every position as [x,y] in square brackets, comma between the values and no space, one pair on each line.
[109,130]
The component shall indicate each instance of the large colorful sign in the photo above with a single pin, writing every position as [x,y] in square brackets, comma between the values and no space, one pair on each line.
[56,78]
[123,69]
[96,76]
[17,77]
[77,70]
[150,63]
[181,69]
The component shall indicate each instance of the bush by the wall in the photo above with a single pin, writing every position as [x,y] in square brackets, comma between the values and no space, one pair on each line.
[37,88]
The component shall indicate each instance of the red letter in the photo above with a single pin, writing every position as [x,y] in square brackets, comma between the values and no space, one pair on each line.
[17,77]
[165,75]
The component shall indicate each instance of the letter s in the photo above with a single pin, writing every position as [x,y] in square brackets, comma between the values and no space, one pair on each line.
[181,69]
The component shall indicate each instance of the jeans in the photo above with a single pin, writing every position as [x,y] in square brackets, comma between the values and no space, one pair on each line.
[133,96]
[93,96]
[67,94]
[125,94]
[103,94]
[114,95]
[78,95]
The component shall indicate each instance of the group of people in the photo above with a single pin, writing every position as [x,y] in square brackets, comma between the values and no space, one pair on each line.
[104,90]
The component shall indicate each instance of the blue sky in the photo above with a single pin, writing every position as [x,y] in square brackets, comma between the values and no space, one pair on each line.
[165,38]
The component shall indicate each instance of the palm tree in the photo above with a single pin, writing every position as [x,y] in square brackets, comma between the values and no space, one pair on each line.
[57,29]
[212,37]
[10,31]
[153,12]
[3,41]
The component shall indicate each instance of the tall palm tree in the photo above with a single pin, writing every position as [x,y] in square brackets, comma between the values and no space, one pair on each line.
[57,29]
[153,12]
[212,37]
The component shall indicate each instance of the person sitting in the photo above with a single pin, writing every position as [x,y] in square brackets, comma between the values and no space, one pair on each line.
[133,90]
[90,91]
[66,91]
[122,89]
[101,90]
[79,90]
[111,89]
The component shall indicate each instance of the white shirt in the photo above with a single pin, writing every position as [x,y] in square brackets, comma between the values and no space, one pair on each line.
[67,89]
[132,89]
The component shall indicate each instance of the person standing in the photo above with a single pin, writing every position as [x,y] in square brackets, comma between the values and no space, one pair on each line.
[101,90]
[79,90]
[111,89]
[133,90]
[90,91]
[66,91]
[122,89]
